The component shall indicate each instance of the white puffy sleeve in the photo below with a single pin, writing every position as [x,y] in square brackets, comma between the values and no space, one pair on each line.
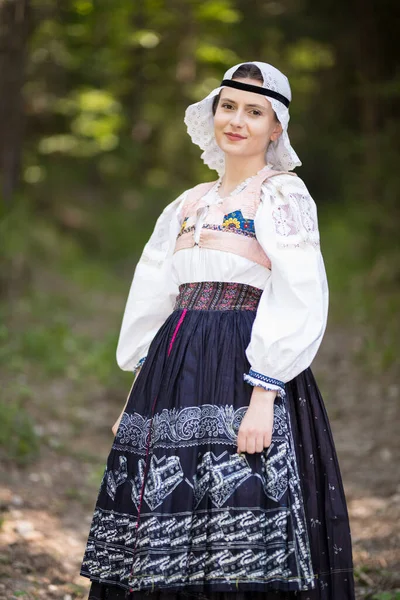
[293,309]
[153,292]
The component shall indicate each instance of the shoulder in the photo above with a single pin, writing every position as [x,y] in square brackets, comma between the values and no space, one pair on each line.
[292,208]
[285,183]
[188,196]
[202,186]
[198,191]
[285,189]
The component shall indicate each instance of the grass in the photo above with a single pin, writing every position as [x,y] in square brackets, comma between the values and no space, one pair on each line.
[18,439]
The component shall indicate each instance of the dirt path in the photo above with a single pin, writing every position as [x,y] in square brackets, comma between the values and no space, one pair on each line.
[46,508]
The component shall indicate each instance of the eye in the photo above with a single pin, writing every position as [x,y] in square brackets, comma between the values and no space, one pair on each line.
[225,104]
[258,113]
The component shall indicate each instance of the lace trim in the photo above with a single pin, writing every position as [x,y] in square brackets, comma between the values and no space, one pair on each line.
[294,215]
[268,383]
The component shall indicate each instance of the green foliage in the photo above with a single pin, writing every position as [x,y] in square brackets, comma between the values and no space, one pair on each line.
[310,55]
[18,439]
[363,275]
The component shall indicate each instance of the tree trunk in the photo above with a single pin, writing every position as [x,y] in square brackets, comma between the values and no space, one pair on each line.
[14,31]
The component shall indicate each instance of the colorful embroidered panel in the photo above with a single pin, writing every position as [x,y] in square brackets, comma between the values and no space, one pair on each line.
[235,221]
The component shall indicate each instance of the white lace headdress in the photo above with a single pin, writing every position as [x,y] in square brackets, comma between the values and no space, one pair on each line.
[200,122]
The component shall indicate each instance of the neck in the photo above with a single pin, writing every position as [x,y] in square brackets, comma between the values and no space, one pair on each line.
[238,169]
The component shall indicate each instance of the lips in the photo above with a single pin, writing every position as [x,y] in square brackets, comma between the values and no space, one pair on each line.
[233,136]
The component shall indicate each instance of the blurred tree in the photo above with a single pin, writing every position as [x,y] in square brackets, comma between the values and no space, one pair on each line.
[15,28]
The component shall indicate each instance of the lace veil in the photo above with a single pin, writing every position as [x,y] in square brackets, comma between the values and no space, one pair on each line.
[200,125]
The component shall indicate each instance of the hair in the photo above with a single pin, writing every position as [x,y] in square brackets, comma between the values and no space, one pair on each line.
[248,71]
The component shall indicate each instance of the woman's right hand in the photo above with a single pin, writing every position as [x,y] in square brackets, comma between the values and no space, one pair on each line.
[114,428]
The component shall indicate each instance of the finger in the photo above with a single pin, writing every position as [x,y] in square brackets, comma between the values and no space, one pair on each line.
[250,444]
[241,443]
[259,445]
[267,441]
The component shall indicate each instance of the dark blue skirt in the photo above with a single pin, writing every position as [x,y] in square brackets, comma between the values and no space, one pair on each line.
[180,514]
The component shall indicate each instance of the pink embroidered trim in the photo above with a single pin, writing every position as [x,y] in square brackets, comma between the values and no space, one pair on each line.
[176,330]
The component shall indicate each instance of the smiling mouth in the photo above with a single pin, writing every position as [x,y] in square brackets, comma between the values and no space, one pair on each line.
[235,137]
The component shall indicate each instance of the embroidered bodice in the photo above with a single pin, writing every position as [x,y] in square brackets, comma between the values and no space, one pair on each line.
[266,236]
[227,225]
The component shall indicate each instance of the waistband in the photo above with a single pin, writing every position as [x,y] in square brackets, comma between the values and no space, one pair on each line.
[217,295]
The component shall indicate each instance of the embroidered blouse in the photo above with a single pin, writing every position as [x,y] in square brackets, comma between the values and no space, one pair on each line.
[292,313]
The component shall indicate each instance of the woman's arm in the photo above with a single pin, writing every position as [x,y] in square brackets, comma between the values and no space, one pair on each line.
[153,292]
[292,313]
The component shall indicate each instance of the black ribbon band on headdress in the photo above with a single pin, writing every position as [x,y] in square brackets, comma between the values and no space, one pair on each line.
[255,88]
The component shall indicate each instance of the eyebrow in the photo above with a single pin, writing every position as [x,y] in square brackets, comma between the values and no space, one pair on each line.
[250,105]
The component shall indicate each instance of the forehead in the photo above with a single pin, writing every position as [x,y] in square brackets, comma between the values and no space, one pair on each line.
[244,97]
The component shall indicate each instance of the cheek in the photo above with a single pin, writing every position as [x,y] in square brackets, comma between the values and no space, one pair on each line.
[261,133]
[219,127]
[219,121]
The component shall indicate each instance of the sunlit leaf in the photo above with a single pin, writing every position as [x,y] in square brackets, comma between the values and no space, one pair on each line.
[145,38]
[83,7]
[215,10]
[215,54]
[310,55]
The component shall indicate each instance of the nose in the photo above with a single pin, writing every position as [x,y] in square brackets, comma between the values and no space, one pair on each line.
[237,118]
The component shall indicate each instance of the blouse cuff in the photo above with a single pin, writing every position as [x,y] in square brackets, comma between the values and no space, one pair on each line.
[268,383]
[139,364]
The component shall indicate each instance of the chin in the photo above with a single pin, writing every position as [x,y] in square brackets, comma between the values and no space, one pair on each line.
[231,149]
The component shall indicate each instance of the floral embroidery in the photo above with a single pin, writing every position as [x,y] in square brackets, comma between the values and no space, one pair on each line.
[295,219]
[184,228]
[235,220]
[231,221]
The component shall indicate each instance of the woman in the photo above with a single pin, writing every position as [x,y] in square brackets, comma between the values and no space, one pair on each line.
[223,480]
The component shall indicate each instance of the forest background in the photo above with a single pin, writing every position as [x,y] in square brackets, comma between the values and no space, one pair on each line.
[92,147]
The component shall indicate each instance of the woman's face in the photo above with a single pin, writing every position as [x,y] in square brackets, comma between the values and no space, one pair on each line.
[248,115]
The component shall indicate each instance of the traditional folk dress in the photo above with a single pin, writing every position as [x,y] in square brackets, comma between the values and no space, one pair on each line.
[228,294]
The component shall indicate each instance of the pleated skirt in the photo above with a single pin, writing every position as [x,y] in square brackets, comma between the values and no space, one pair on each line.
[179,513]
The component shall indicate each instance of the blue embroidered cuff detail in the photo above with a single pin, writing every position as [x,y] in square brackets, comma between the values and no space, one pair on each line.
[139,364]
[267,383]
[266,379]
